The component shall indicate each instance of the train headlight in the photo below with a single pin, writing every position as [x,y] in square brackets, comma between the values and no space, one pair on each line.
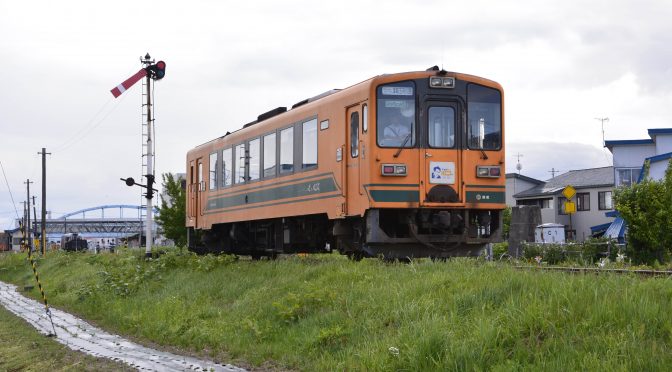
[393,169]
[441,82]
[488,171]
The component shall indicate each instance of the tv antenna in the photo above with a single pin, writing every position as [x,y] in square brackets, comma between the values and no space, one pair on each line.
[602,120]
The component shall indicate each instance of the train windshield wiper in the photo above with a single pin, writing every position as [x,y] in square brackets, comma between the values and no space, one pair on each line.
[396,154]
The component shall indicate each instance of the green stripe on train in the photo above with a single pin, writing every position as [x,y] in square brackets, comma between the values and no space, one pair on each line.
[395,195]
[485,197]
[315,187]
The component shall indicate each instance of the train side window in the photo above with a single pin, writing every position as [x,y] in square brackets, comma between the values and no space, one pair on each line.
[365,118]
[213,171]
[354,134]
[269,155]
[287,150]
[309,145]
[239,170]
[201,183]
[226,167]
[254,159]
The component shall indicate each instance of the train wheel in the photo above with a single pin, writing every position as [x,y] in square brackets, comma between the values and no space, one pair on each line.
[355,256]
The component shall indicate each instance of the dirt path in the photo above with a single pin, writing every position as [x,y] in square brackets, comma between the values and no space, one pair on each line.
[79,335]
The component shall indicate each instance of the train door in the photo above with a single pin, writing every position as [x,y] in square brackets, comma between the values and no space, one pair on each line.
[200,188]
[352,156]
[441,159]
[191,197]
[195,190]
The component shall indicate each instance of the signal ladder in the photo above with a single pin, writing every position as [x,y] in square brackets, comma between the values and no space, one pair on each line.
[145,130]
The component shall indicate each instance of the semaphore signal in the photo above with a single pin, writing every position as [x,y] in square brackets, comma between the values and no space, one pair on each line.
[150,71]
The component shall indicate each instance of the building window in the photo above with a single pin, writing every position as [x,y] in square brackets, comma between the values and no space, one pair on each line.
[239,170]
[226,167]
[255,159]
[547,203]
[213,171]
[561,205]
[583,201]
[287,150]
[269,155]
[309,153]
[604,200]
[627,176]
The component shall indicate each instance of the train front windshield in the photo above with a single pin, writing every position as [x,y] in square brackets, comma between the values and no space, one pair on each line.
[396,118]
[396,115]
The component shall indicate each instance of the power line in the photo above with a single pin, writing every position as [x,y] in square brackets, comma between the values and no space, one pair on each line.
[10,191]
[90,126]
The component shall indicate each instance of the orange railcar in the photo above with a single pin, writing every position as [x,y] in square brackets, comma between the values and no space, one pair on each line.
[400,165]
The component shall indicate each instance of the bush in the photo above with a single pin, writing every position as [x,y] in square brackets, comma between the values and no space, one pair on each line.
[646,208]
[500,249]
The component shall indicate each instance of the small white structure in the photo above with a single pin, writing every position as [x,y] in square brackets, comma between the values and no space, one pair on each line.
[550,233]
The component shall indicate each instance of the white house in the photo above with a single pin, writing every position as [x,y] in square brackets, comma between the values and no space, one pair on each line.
[516,183]
[594,191]
[630,155]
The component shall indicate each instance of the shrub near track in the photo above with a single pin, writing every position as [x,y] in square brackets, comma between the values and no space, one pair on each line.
[323,312]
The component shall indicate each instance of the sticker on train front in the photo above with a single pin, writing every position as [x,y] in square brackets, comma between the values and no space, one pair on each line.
[442,172]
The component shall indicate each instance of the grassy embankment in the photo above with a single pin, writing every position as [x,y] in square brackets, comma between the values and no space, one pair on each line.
[22,348]
[327,313]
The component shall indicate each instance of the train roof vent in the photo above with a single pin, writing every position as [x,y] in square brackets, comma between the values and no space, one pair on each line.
[272,113]
[315,98]
[433,68]
[267,115]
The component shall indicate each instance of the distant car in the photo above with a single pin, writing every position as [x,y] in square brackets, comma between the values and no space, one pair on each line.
[73,243]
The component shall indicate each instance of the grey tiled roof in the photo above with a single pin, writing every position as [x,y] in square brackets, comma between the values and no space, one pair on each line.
[579,179]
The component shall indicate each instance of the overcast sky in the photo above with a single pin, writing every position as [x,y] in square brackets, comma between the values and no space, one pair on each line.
[562,64]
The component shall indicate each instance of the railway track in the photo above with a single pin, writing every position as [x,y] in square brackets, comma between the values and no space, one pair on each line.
[595,270]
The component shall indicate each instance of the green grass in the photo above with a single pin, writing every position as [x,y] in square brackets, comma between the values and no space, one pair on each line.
[324,312]
[22,348]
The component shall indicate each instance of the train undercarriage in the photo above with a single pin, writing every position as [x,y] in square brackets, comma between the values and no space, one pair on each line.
[386,233]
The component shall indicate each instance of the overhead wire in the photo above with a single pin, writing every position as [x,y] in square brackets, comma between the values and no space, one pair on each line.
[90,126]
[10,191]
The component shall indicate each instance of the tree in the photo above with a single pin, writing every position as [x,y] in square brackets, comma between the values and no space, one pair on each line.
[172,214]
[646,207]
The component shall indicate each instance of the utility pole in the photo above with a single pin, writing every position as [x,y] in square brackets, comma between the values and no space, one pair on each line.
[35,217]
[602,120]
[28,229]
[553,171]
[43,234]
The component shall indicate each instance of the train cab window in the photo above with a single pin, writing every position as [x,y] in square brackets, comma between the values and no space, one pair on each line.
[226,167]
[213,171]
[365,118]
[287,150]
[269,155]
[396,115]
[309,145]
[484,112]
[441,127]
[239,170]
[255,159]
[354,134]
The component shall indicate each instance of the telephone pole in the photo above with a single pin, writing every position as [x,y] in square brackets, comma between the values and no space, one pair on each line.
[43,235]
[28,229]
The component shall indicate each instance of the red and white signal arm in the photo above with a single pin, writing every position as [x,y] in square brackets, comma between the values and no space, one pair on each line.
[121,88]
